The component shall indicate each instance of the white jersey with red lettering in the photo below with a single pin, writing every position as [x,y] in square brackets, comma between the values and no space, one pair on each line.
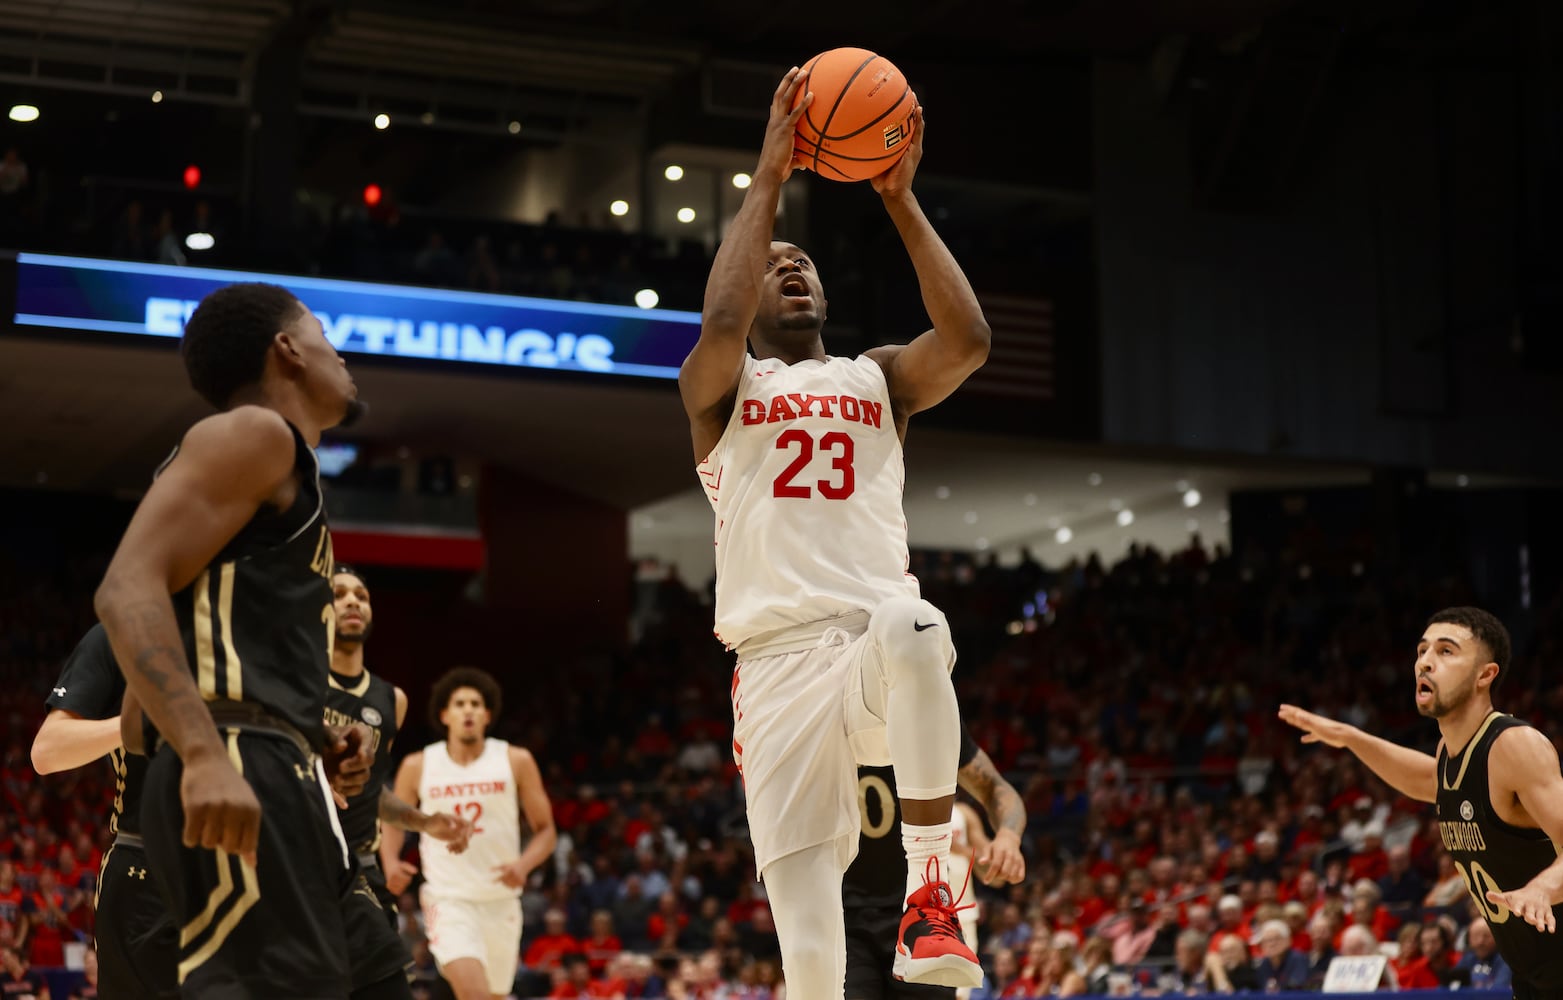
[483,791]
[806,482]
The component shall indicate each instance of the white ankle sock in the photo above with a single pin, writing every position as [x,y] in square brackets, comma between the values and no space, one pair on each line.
[922,843]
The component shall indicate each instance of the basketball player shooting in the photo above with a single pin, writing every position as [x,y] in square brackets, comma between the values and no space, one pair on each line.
[472,899]
[839,660]
[1495,782]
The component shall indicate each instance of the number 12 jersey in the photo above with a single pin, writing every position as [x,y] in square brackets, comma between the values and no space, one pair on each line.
[483,791]
[806,483]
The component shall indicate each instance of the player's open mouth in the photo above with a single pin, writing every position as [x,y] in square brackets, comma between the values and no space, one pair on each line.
[1424,691]
[795,287]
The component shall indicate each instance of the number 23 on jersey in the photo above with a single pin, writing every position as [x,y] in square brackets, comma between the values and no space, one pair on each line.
[836,445]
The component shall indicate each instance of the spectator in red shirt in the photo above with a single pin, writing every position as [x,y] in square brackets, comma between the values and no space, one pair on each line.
[665,925]
[11,894]
[1371,862]
[73,874]
[1366,911]
[1430,969]
[547,951]
[45,910]
[603,943]
[574,980]
[27,865]
[1230,921]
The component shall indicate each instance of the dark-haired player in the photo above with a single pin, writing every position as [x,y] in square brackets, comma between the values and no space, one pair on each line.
[357,696]
[875,884]
[1497,785]
[471,901]
[840,661]
[218,606]
[137,943]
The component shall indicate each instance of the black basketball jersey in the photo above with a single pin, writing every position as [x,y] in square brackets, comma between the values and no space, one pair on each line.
[877,876]
[1491,854]
[372,701]
[92,686]
[258,622]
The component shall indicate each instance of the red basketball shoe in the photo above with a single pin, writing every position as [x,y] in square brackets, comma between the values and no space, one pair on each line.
[930,948]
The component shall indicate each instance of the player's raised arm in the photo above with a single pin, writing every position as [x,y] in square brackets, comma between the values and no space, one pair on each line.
[227,468]
[1410,772]
[998,861]
[539,813]
[934,365]
[1524,763]
[710,374]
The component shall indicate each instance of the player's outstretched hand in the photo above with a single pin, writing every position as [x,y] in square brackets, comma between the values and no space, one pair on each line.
[347,757]
[455,831]
[399,876]
[1316,728]
[221,810]
[1529,904]
[898,179]
[1000,862]
[777,157]
[512,873]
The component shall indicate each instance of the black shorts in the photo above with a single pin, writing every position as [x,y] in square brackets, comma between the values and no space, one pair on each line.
[138,947]
[375,876]
[372,939]
[280,928]
[871,935]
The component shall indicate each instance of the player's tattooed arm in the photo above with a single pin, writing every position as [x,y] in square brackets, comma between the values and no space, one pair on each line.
[398,873]
[455,831]
[1000,861]
[1003,804]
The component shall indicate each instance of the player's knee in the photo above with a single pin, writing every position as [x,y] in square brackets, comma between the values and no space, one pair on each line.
[813,961]
[916,639]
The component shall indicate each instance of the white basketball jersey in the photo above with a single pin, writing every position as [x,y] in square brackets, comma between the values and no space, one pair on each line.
[484,792]
[806,482]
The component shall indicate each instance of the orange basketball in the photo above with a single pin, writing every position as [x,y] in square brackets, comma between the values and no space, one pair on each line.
[859,124]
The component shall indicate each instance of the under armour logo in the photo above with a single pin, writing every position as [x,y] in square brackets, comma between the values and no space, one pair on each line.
[303,774]
[140,873]
[59,692]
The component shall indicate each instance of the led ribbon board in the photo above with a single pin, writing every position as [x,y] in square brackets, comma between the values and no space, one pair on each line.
[395,321]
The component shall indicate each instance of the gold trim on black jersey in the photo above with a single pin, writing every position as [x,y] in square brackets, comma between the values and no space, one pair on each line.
[356,692]
[235,690]
[117,760]
[1465,754]
[248,895]
[210,627]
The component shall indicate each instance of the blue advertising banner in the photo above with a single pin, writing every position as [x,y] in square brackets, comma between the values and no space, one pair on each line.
[395,321]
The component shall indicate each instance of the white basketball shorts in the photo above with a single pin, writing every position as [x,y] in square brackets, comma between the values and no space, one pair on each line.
[487,930]
[800,730]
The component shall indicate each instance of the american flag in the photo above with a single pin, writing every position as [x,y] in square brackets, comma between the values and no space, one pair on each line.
[1020,363]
